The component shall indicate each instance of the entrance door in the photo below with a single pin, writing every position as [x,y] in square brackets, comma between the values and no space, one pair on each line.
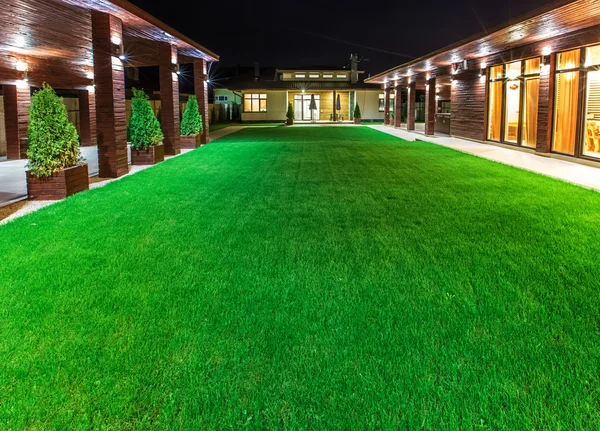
[302,111]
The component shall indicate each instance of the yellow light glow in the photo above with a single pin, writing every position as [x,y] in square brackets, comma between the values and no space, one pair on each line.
[21,66]
[115,39]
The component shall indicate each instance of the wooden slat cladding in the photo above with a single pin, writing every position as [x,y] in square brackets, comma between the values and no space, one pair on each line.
[468,106]
[201,91]
[110,98]
[398,106]
[412,99]
[16,116]
[53,38]
[545,107]
[549,24]
[430,106]
[169,99]
[59,185]
[87,118]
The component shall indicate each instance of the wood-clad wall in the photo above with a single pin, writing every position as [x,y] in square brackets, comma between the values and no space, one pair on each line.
[468,106]
[53,38]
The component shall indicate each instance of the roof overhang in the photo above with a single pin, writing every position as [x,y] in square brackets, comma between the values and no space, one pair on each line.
[561,17]
[138,23]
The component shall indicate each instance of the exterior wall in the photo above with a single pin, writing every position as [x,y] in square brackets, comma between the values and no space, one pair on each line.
[231,96]
[2,129]
[468,107]
[368,100]
[276,107]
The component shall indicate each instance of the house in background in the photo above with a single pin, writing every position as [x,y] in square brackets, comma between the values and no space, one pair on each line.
[265,94]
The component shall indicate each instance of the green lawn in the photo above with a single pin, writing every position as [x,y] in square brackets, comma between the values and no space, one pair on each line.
[306,279]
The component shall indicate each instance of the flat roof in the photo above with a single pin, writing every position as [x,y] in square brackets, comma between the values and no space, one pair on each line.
[554,19]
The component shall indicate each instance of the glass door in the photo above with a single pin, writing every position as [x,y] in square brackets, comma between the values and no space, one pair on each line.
[302,111]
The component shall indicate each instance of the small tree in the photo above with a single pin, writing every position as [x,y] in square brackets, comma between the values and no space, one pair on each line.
[144,128]
[53,139]
[290,112]
[357,113]
[191,124]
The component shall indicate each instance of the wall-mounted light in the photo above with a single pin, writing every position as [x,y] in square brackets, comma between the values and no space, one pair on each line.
[89,75]
[23,83]
[115,40]
[91,88]
[547,50]
[21,66]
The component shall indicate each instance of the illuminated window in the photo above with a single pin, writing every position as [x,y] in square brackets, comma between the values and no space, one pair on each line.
[314,76]
[592,56]
[569,60]
[382,102]
[327,75]
[341,76]
[300,75]
[566,102]
[513,92]
[255,103]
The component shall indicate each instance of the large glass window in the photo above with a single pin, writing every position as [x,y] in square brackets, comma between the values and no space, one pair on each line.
[591,134]
[513,92]
[566,102]
[255,103]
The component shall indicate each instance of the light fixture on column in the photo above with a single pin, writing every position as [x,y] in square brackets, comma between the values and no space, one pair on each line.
[117,48]
[89,75]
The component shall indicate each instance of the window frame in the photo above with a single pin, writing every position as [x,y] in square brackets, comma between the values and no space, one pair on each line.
[255,96]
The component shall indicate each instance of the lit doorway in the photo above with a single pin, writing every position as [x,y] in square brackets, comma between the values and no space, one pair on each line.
[302,111]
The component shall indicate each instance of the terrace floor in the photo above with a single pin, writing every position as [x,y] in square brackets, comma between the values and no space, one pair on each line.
[306,278]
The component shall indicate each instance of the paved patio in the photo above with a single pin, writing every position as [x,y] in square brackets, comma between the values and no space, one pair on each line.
[575,173]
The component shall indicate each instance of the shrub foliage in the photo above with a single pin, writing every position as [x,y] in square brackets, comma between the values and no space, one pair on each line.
[53,139]
[191,124]
[357,113]
[144,128]
[290,111]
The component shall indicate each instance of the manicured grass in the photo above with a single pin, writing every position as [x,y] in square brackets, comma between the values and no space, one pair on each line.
[306,278]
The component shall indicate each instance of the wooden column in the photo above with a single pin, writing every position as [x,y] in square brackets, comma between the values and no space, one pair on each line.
[87,117]
[386,106]
[412,100]
[545,107]
[17,99]
[201,91]
[430,106]
[398,107]
[334,103]
[109,76]
[169,98]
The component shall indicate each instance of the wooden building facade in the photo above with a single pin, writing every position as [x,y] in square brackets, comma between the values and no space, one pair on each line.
[84,46]
[533,85]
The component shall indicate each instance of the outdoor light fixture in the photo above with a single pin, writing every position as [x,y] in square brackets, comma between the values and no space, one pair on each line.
[20,41]
[91,88]
[116,40]
[122,57]
[89,75]
[547,50]
[21,66]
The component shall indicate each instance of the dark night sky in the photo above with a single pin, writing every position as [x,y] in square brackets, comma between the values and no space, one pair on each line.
[309,32]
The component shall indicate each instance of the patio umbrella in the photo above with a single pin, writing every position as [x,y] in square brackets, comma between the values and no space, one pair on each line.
[312,106]
[338,104]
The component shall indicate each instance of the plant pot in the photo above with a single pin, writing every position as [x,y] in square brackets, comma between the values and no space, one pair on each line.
[190,142]
[59,185]
[152,155]
[357,121]
[289,122]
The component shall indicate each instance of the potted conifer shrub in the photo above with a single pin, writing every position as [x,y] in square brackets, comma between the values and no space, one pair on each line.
[290,115]
[357,114]
[191,124]
[145,132]
[55,168]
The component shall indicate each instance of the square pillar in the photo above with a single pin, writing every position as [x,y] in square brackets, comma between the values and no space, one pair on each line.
[17,99]
[545,107]
[87,117]
[430,106]
[169,97]
[398,107]
[412,100]
[386,106]
[201,91]
[109,76]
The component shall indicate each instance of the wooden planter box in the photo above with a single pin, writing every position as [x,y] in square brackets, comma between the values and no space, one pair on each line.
[357,121]
[151,156]
[59,185]
[289,122]
[190,142]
